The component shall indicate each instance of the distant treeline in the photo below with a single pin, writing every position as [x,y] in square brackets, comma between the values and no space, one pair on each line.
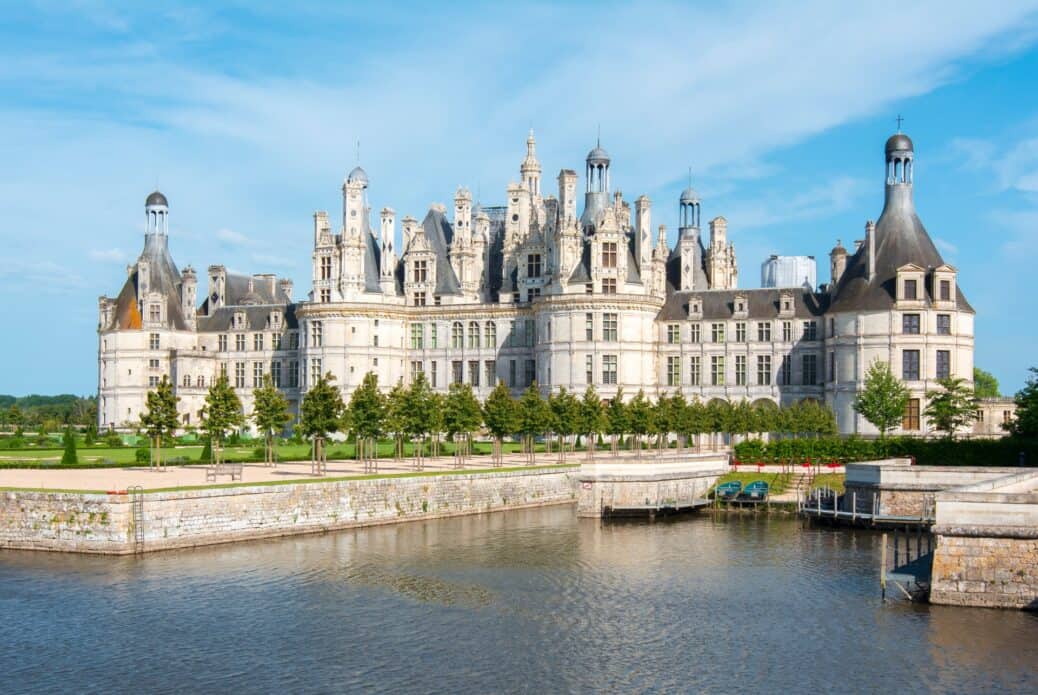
[50,413]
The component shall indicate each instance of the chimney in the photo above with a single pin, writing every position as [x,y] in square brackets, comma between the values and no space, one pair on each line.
[286,288]
[870,239]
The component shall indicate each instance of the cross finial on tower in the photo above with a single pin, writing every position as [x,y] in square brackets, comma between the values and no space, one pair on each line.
[598,140]
[899,120]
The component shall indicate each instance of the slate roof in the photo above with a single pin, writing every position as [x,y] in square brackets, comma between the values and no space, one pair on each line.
[255,317]
[164,278]
[761,303]
[900,239]
[439,233]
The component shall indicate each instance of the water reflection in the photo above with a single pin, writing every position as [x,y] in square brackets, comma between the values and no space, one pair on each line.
[528,601]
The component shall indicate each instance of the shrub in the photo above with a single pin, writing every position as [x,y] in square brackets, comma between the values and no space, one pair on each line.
[142,455]
[112,439]
[927,452]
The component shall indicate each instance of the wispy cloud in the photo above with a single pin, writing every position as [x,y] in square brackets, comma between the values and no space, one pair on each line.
[113,255]
[233,238]
[837,195]
[946,246]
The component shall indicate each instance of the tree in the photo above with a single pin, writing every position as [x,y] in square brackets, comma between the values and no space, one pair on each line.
[639,418]
[534,418]
[416,420]
[617,422]
[90,437]
[952,407]
[160,419]
[68,457]
[985,385]
[592,419]
[437,402]
[695,421]
[566,413]
[396,416]
[663,421]
[461,415]
[320,414]
[1025,424]
[222,412]
[718,418]
[500,417]
[883,399]
[270,413]
[15,416]
[367,416]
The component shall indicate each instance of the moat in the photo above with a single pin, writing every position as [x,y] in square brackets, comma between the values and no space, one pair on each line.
[529,601]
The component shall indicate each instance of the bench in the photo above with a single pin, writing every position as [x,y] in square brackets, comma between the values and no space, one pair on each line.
[231,469]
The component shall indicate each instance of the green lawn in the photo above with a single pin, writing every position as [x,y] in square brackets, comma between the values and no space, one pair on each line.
[777,482]
[832,480]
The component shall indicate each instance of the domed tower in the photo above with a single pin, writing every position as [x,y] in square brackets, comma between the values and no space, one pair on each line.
[690,247]
[354,202]
[530,169]
[156,212]
[837,264]
[596,197]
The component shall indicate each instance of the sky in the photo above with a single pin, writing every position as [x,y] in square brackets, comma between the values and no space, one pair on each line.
[247,115]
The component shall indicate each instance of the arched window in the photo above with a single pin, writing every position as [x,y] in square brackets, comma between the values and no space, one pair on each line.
[490,335]
[457,335]
[473,335]
[187,380]
[200,382]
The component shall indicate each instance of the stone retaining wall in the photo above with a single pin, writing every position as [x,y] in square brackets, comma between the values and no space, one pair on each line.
[93,523]
[641,484]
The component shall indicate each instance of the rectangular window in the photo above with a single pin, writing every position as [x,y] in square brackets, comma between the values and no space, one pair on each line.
[694,370]
[589,327]
[717,332]
[417,336]
[187,381]
[910,365]
[787,331]
[832,327]
[810,330]
[153,341]
[809,375]
[316,333]
[530,329]
[910,324]
[943,324]
[945,291]
[419,298]
[764,370]
[239,375]
[717,370]
[457,335]
[239,342]
[740,370]
[609,330]
[275,341]
[490,371]
[589,369]
[694,333]
[293,374]
[257,375]
[910,289]
[943,364]
[221,342]
[421,271]
[433,341]
[511,373]
[257,341]
[490,335]
[315,370]
[740,332]
[326,295]
[673,371]
[326,267]
[473,335]
[531,372]
[589,288]
[673,333]
[474,373]
[153,364]
[764,332]
[416,368]
[609,286]
[154,313]
[456,374]
[293,340]
[533,265]
[608,369]
[609,254]
[275,373]
[153,381]
[432,374]
[786,371]
[910,420]
[832,365]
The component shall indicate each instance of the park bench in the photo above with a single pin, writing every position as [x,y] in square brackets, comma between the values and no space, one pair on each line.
[231,469]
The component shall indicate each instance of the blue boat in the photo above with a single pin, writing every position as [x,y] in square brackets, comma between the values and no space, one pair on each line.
[757,491]
[728,491]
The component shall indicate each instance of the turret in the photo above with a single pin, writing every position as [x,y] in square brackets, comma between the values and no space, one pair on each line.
[837,264]
[217,287]
[567,197]
[530,169]
[188,294]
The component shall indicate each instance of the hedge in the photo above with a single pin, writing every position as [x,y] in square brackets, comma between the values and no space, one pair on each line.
[1006,451]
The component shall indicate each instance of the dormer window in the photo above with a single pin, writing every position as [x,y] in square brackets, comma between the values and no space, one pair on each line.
[533,265]
[910,290]
[420,271]
[239,319]
[154,313]
[944,291]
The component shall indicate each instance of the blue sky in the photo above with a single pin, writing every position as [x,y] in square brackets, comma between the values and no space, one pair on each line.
[246,116]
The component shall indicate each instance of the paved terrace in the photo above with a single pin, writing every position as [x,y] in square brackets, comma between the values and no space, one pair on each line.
[119,479]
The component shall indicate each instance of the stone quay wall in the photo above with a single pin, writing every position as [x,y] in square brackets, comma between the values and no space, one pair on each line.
[904,489]
[987,544]
[647,483]
[97,523]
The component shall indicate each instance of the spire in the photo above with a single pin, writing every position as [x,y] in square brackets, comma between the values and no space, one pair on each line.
[530,169]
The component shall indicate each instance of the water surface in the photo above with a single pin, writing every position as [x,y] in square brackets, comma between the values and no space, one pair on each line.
[525,601]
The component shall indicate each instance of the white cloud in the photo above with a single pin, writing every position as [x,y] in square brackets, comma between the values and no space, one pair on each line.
[113,255]
[233,238]
[838,195]
[946,246]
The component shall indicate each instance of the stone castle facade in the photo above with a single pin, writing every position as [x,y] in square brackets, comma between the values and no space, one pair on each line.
[538,289]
